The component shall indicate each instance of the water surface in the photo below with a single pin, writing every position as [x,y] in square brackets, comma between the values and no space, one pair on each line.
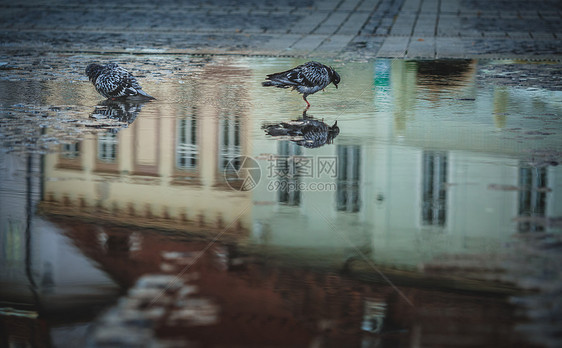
[387,217]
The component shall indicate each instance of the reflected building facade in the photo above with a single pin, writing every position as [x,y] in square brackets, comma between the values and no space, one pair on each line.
[409,184]
[390,189]
[168,169]
[396,186]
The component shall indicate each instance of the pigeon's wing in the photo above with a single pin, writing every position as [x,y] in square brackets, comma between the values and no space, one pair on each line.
[128,84]
[302,75]
[314,74]
[116,82]
[110,83]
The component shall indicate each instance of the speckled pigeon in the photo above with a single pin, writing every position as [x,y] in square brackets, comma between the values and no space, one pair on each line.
[113,81]
[307,79]
[306,131]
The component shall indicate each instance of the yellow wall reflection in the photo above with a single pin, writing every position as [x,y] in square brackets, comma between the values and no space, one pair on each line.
[166,169]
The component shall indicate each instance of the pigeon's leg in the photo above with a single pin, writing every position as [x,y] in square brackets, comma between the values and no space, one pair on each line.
[307,103]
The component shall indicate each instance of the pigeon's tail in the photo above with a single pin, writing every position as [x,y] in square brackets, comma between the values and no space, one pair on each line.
[272,80]
[142,93]
[274,84]
[283,129]
[276,132]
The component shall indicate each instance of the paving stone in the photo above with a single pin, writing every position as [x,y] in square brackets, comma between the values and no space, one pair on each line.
[306,44]
[425,25]
[348,5]
[334,44]
[446,47]
[421,48]
[332,23]
[393,47]
[279,43]
[450,6]
[354,23]
[382,30]
[448,26]
[429,6]
[368,5]
[404,25]
[307,24]
[411,5]
[519,34]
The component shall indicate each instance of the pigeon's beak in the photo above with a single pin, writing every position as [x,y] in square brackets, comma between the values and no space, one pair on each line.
[336,86]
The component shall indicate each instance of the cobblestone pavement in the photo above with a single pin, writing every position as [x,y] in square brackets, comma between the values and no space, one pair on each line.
[352,29]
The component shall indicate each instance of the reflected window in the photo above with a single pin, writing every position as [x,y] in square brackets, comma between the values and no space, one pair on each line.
[348,180]
[12,242]
[434,199]
[532,196]
[373,315]
[107,147]
[289,179]
[229,142]
[70,151]
[69,156]
[187,150]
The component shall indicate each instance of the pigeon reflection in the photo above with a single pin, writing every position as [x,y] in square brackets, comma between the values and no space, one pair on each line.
[306,131]
[117,110]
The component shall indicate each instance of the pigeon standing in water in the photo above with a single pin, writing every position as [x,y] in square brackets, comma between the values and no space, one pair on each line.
[112,81]
[307,79]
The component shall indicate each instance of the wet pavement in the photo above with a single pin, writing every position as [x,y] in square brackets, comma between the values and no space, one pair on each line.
[354,29]
[430,216]
[419,204]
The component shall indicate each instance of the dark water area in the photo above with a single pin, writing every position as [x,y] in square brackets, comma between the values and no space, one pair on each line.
[419,204]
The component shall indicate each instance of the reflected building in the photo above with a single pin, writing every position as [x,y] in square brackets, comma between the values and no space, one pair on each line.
[349,178]
[409,186]
[167,170]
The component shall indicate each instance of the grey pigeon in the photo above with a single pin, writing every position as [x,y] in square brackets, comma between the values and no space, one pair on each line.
[307,79]
[113,81]
[306,131]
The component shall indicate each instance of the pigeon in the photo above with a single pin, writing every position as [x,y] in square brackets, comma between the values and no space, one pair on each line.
[113,81]
[306,131]
[307,79]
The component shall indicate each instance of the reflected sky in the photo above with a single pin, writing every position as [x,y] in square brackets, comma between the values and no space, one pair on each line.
[406,163]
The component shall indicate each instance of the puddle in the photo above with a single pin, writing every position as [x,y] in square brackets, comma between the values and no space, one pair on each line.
[398,210]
